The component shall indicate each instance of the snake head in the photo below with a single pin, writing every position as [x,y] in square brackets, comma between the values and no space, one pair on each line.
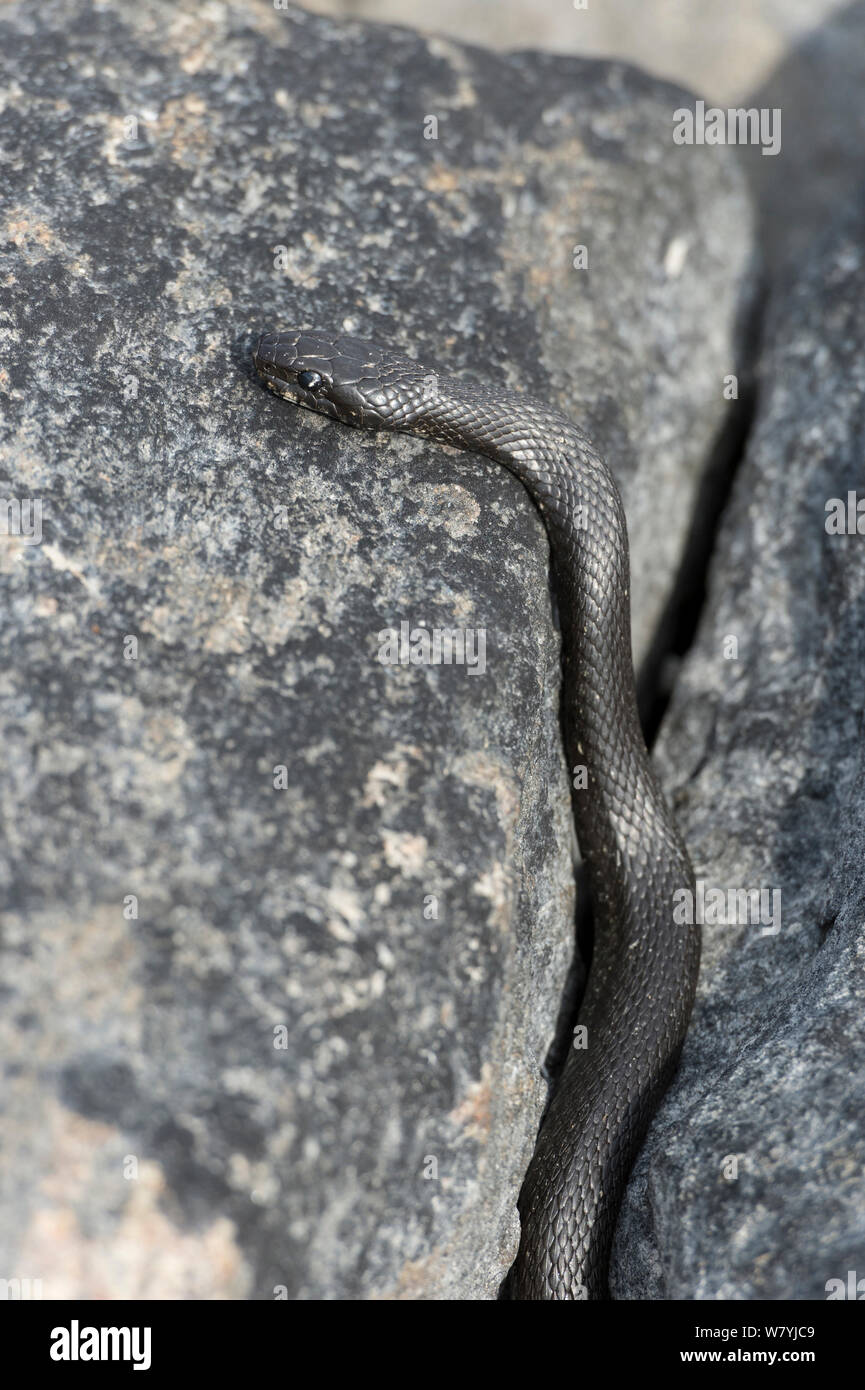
[350,379]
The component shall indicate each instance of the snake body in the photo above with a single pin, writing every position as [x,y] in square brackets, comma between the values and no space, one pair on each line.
[643,973]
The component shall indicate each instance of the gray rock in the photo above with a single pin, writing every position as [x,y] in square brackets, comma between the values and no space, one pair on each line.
[767,750]
[240,1052]
[721,51]
[820,89]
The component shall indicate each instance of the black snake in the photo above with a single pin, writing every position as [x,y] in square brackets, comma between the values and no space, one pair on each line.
[644,967]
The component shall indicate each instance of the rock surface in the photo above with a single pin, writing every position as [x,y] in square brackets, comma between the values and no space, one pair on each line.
[820,89]
[719,51]
[751,1184]
[285,927]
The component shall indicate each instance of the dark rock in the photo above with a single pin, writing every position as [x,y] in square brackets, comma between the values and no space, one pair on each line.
[820,89]
[768,751]
[155,159]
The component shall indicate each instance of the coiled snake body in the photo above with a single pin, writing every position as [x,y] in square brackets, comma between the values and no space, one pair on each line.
[644,967]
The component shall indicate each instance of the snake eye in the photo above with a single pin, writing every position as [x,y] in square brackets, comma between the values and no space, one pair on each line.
[310,381]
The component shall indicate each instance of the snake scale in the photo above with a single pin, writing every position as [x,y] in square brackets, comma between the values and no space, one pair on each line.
[643,973]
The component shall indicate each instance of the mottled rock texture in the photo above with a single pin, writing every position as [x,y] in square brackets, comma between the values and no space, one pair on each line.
[285,928]
[751,1184]
[819,86]
[720,51]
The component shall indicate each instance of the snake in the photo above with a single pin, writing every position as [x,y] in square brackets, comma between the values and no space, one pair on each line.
[635,1009]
